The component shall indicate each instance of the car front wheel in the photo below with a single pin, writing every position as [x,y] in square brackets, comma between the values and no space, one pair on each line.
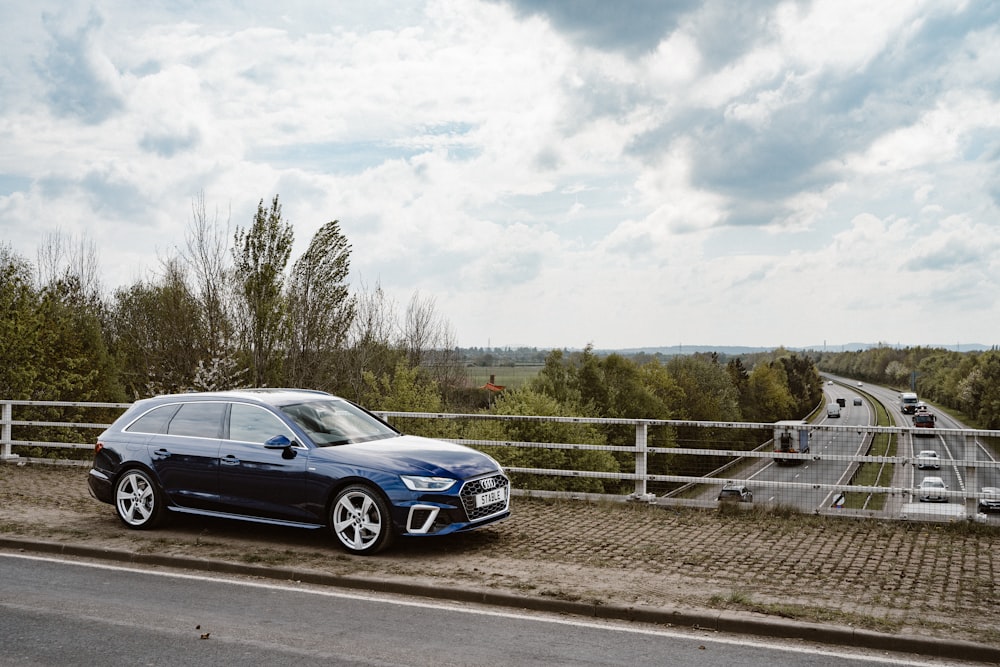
[360,520]
[137,500]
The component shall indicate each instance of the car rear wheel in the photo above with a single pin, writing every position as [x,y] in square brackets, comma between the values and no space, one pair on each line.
[360,520]
[138,500]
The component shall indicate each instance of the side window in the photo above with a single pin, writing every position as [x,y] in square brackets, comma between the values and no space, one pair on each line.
[249,423]
[200,420]
[154,421]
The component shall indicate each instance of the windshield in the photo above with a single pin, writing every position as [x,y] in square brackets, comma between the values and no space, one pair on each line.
[337,422]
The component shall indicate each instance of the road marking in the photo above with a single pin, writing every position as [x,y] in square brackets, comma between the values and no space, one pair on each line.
[617,626]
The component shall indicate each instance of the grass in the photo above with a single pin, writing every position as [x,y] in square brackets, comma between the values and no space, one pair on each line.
[512,377]
[874,474]
[741,600]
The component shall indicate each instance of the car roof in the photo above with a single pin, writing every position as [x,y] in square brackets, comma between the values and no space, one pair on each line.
[932,480]
[927,452]
[266,395]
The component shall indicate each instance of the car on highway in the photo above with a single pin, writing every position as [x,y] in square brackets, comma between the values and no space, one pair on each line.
[735,493]
[932,489]
[989,501]
[292,457]
[857,400]
[928,459]
[924,421]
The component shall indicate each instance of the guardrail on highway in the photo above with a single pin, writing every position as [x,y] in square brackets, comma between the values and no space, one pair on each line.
[669,462]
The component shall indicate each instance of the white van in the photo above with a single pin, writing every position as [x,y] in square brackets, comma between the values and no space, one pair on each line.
[833,410]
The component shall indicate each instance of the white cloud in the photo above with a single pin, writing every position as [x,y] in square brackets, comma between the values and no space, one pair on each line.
[548,180]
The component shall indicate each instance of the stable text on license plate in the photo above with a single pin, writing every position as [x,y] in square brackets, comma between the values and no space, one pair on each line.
[490,497]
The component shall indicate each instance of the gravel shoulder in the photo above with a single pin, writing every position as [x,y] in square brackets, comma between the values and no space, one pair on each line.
[919,580]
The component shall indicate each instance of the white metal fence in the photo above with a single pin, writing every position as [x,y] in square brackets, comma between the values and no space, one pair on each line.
[855,471]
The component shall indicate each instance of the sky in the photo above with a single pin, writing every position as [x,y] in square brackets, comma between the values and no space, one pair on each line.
[547,174]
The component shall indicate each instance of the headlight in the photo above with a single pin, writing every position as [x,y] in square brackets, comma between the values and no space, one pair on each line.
[414,483]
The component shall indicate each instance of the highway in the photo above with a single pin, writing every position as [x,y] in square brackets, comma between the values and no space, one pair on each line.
[951,445]
[823,443]
[763,476]
[64,612]
[828,447]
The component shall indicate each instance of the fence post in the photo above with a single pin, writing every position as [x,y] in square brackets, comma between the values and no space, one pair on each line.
[971,476]
[641,452]
[5,435]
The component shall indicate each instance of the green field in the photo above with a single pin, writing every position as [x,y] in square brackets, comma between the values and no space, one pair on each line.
[511,377]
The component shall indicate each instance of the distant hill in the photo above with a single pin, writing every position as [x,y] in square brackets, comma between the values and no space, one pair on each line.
[855,347]
[737,350]
[673,350]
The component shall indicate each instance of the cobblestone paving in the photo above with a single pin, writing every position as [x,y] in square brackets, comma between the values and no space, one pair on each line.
[908,578]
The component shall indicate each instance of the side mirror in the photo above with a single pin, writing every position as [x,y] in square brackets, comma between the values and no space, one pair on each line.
[278,442]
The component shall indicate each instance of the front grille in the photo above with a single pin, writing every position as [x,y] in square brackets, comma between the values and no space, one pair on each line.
[482,485]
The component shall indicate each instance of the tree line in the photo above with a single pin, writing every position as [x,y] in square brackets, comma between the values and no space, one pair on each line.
[231,308]
[226,309]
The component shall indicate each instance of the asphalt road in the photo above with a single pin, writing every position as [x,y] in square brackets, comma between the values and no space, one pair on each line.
[951,444]
[59,612]
[825,444]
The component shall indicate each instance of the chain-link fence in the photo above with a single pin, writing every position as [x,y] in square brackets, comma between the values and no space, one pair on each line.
[906,473]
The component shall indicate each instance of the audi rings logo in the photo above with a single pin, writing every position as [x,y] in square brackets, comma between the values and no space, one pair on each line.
[489,483]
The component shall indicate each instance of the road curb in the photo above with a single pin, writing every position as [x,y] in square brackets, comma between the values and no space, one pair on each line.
[710,620]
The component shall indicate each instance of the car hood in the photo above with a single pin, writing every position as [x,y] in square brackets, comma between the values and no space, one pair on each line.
[412,455]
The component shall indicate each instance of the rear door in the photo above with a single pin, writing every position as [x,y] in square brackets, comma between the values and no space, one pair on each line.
[185,455]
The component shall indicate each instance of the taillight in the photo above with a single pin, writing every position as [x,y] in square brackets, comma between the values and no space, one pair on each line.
[98,447]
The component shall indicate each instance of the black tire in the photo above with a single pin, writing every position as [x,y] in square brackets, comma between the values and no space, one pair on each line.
[138,501]
[360,520]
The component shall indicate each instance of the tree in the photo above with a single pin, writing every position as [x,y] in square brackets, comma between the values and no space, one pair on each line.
[590,381]
[320,309]
[980,391]
[709,394]
[260,256]
[157,334]
[767,396]
[70,259]
[370,343]
[803,381]
[429,343]
[557,380]
[72,360]
[19,326]
[526,401]
[205,257]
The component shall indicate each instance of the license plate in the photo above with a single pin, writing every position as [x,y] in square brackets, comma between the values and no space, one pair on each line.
[490,497]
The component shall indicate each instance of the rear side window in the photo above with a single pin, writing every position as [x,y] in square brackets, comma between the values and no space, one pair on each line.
[154,421]
[199,420]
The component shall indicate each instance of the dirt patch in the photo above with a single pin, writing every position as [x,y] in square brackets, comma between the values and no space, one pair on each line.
[931,580]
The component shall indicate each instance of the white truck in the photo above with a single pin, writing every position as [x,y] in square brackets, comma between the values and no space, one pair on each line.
[791,437]
[833,410]
[908,402]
